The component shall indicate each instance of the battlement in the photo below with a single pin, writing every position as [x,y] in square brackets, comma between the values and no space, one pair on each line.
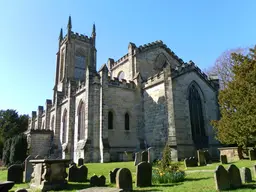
[119,61]
[190,66]
[122,84]
[157,78]
[78,36]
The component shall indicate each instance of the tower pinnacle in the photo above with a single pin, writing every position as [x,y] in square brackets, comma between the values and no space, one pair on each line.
[69,26]
[61,35]
[93,30]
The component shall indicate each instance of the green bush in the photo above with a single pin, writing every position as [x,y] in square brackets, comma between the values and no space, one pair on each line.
[166,159]
[6,151]
[167,176]
[18,152]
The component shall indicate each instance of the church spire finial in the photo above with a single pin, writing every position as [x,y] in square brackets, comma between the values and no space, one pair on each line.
[93,30]
[69,24]
[61,35]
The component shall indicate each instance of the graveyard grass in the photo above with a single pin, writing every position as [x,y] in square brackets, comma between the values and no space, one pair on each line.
[195,181]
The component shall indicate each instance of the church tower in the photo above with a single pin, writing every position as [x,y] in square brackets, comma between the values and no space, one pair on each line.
[76,54]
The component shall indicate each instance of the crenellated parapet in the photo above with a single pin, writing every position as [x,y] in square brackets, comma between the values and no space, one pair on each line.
[80,37]
[153,80]
[191,66]
[122,84]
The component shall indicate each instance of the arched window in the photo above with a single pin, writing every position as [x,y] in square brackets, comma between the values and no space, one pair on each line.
[64,127]
[127,121]
[52,123]
[110,120]
[196,114]
[121,75]
[81,125]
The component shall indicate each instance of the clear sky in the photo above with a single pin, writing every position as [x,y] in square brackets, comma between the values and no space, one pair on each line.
[198,30]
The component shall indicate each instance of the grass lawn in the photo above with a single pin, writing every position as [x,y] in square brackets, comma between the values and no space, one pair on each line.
[198,181]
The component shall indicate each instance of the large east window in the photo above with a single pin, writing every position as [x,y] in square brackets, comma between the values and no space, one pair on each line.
[79,67]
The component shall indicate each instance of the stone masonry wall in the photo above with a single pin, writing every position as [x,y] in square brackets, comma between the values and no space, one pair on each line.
[182,116]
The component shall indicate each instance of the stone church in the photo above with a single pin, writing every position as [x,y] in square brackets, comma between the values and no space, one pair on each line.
[148,98]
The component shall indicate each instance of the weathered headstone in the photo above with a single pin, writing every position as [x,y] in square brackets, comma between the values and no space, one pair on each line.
[223,159]
[151,155]
[6,186]
[78,174]
[221,178]
[15,173]
[144,156]
[21,190]
[254,170]
[80,162]
[94,181]
[201,158]
[102,180]
[208,157]
[112,175]
[137,158]
[144,174]
[246,175]
[234,176]
[252,154]
[190,162]
[124,179]
[28,169]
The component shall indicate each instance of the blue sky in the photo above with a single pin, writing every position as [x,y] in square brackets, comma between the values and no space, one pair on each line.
[198,30]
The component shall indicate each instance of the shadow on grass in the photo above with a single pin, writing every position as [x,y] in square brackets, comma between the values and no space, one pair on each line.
[77,186]
[153,187]
[197,179]
[248,186]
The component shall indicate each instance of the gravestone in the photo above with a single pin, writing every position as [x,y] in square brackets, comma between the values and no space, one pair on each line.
[124,179]
[246,175]
[144,174]
[234,176]
[21,190]
[208,157]
[78,174]
[15,173]
[137,158]
[190,162]
[112,175]
[144,156]
[102,180]
[221,178]
[201,158]
[98,181]
[28,169]
[6,186]
[151,155]
[223,159]
[252,154]
[254,170]
[80,162]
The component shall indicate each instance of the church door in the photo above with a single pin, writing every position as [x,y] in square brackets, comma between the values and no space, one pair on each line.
[199,136]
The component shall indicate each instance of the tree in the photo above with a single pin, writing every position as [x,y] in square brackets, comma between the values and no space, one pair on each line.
[237,103]
[6,151]
[224,64]
[11,124]
[18,151]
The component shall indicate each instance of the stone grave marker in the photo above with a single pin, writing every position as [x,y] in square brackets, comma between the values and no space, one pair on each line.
[151,155]
[234,176]
[201,158]
[94,180]
[80,162]
[223,159]
[208,157]
[144,174]
[15,173]
[124,179]
[78,174]
[28,169]
[144,156]
[102,180]
[254,170]
[190,162]
[246,175]
[252,154]
[112,175]
[6,186]
[21,190]
[137,158]
[221,178]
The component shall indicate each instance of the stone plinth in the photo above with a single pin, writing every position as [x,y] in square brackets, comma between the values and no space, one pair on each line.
[49,174]
[233,153]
